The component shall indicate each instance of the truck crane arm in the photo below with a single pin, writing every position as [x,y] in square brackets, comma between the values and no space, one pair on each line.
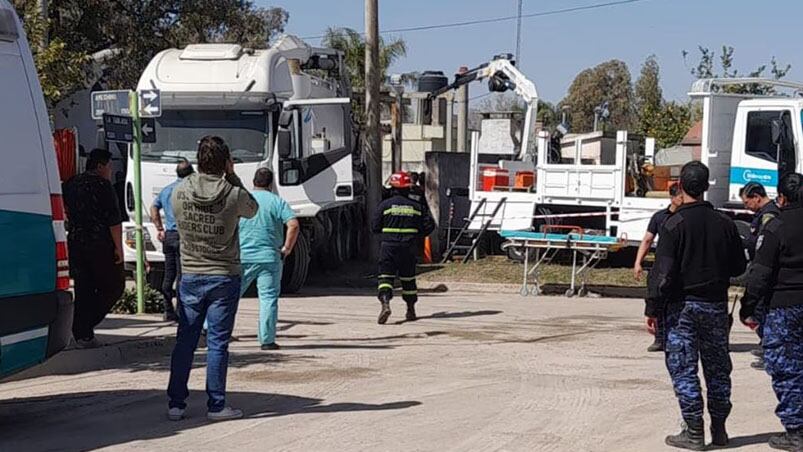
[502,75]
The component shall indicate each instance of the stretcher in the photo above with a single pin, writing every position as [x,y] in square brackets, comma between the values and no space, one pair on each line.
[546,244]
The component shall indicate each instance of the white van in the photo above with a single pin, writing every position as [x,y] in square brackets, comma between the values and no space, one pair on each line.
[35,305]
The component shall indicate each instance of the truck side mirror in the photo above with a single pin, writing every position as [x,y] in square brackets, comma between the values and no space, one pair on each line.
[284,143]
[285,118]
[777,131]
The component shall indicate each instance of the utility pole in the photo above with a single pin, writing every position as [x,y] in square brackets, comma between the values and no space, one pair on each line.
[42,7]
[461,99]
[373,139]
[518,35]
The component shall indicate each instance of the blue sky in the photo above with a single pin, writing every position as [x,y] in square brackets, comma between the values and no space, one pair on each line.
[555,48]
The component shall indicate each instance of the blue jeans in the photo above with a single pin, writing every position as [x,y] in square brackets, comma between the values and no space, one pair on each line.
[269,282]
[214,297]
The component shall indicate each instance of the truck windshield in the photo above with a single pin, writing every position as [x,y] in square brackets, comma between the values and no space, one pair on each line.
[178,133]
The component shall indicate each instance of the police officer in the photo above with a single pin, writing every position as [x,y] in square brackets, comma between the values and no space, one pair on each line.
[776,273]
[754,197]
[699,251]
[400,221]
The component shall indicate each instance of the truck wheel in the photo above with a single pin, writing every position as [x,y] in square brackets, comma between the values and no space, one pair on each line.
[517,254]
[296,266]
[346,222]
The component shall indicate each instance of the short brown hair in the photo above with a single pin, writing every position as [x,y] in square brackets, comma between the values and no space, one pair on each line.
[213,155]
[263,178]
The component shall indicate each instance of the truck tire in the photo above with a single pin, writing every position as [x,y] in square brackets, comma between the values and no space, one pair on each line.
[296,266]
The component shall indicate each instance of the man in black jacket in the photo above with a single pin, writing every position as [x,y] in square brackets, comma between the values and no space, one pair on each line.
[699,251]
[755,199]
[400,221]
[777,273]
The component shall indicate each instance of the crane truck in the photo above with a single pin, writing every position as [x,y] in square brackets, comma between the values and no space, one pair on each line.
[286,108]
[745,137]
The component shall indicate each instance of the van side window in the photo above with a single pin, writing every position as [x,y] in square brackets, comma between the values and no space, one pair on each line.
[759,135]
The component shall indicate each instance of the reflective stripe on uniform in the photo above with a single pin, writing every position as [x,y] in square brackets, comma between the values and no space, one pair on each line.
[400,230]
[409,292]
[411,278]
[386,276]
[402,210]
[385,286]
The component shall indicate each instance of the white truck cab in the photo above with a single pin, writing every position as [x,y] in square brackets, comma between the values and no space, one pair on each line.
[247,96]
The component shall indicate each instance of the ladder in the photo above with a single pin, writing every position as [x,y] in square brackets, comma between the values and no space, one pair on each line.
[456,245]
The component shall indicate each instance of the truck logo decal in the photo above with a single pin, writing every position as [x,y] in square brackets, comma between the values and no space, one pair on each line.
[767,177]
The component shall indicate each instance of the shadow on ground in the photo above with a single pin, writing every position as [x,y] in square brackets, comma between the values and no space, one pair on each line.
[93,420]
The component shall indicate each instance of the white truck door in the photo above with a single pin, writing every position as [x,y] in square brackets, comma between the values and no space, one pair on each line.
[756,155]
[315,170]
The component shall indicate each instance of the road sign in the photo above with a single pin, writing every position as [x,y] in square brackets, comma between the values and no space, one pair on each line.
[118,128]
[148,128]
[150,103]
[110,102]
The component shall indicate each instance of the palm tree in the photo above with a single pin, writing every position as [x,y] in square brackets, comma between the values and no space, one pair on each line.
[352,44]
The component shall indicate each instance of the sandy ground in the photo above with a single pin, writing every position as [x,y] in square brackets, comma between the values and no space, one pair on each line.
[477,372]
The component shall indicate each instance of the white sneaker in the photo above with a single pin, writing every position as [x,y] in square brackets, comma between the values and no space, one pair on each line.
[175,414]
[225,414]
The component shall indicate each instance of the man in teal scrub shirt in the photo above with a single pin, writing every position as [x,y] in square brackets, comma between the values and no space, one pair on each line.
[262,247]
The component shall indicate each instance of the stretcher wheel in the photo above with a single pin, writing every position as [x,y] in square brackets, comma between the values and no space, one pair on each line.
[569,293]
[524,291]
[582,292]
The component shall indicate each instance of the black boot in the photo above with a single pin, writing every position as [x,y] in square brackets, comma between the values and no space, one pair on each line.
[411,317]
[788,441]
[692,436]
[657,346]
[384,312]
[719,436]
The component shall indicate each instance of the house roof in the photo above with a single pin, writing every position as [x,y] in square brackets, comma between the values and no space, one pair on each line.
[694,137]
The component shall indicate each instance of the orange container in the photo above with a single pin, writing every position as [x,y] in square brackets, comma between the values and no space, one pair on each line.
[525,179]
[495,177]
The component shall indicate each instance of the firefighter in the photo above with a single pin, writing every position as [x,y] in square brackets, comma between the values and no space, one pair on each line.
[699,251]
[755,199]
[400,221]
[777,276]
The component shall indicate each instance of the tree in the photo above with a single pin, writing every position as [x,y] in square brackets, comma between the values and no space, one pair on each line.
[352,44]
[140,29]
[648,93]
[61,70]
[608,82]
[706,68]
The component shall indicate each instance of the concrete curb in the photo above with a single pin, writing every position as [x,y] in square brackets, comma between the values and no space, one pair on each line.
[119,354]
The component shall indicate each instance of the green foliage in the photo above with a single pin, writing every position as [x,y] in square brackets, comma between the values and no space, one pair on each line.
[609,81]
[648,93]
[138,30]
[352,44]
[668,124]
[127,304]
[62,70]
[706,68]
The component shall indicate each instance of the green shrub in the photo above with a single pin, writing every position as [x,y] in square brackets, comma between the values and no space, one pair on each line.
[127,304]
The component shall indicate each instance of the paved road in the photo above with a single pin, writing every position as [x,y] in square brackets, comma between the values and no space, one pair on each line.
[477,372]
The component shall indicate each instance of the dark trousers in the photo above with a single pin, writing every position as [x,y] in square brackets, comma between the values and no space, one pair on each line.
[99,283]
[172,253]
[397,259]
[698,331]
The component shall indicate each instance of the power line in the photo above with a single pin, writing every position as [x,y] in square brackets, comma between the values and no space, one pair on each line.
[500,19]
[480,96]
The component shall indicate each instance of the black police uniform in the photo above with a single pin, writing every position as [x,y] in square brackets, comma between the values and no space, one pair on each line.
[400,221]
[760,219]
[654,227]
[699,251]
[777,274]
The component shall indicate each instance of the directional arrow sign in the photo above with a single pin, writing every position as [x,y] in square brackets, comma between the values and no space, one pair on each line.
[150,103]
[110,102]
[148,128]
[118,128]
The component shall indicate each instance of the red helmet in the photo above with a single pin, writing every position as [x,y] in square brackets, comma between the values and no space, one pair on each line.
[401,179]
